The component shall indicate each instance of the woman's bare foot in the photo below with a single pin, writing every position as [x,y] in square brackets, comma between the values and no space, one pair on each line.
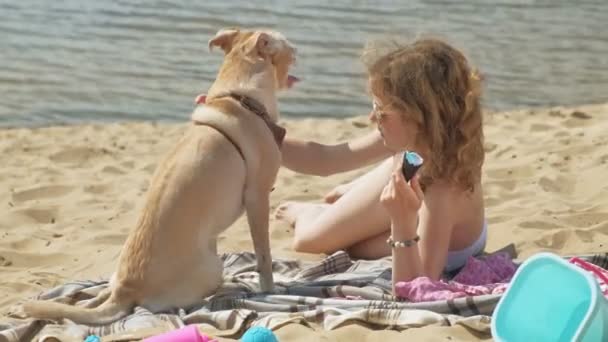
[299,213]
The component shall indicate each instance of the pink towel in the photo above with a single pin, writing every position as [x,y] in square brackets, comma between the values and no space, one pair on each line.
[423,289]
[600,274]
[495,268]
[489,275]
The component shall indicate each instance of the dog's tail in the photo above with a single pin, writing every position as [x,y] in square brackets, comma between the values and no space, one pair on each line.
[109,311]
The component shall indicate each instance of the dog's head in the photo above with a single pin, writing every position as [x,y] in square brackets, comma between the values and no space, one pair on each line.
[268,45]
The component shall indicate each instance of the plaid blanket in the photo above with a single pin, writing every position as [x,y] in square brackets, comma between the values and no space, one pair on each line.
[334,292]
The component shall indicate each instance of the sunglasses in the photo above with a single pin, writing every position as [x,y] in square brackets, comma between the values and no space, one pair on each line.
[378,112]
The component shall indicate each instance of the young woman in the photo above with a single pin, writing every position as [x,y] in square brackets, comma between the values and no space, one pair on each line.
[425,99]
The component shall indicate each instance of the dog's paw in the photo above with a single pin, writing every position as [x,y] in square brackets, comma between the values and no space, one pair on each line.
[17,311]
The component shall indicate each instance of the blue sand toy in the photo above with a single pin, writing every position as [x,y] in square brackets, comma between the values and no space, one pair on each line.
[550,299]
[259,334]
[92,338]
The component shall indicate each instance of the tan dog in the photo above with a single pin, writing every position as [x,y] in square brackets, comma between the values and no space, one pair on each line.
[226,162]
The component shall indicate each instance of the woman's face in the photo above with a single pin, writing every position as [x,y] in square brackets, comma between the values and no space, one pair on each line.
[397,132]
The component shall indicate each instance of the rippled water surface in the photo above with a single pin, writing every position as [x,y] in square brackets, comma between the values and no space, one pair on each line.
[73,60]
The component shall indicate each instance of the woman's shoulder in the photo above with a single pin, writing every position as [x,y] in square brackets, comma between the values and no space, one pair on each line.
[445,192]
[460,206]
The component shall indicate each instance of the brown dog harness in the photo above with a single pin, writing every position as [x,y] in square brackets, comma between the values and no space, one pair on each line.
[258,109]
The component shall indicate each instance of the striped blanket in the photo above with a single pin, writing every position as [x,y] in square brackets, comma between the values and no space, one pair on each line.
[334,292]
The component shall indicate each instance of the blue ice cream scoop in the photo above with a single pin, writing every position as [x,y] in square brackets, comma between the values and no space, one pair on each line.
[412,161]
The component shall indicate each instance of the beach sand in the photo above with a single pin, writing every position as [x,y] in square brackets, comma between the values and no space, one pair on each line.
[71,194]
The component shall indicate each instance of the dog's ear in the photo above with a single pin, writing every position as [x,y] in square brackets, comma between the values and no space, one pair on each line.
[224,39]
[263,45]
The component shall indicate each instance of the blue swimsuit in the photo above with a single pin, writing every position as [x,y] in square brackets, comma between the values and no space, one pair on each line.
[457,259]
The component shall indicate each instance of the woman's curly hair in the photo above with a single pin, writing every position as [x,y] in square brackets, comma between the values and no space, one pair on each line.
[432,84]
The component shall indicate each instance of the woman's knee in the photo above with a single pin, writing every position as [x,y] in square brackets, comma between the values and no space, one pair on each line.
[307,241]
[306,245]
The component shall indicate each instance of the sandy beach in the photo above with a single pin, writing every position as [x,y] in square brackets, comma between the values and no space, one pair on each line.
[71,194]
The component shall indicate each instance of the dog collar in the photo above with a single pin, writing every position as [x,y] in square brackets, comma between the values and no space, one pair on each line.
[258,109]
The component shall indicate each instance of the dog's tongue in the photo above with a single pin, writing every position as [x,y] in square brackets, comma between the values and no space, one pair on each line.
[291,80]
[201,99]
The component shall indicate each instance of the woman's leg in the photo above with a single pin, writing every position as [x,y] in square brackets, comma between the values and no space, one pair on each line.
[372,248]
[355,217]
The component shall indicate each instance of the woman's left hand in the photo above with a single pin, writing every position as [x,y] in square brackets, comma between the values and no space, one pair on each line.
[402,200]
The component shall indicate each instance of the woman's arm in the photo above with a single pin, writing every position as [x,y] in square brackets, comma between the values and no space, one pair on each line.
[404,203]
[429,256]
[322,160]
[436,224]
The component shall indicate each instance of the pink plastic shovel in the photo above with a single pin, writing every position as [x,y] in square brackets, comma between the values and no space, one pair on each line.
[188,333]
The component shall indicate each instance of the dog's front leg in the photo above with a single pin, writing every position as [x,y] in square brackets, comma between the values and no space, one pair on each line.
[257,205]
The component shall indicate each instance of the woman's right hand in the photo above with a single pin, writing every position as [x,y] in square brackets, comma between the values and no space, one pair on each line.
[402,200]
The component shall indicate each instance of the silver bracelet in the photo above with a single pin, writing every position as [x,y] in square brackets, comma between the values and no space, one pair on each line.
[405,243]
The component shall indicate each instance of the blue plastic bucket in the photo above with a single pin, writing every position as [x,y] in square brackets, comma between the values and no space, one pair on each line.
[549,299]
